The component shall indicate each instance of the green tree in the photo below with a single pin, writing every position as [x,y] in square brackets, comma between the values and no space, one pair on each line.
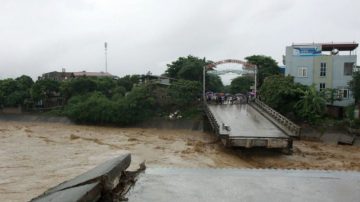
[266,66]
[139,105]
[281,93]
[355,86]
[105,85]
[312,104]
[78,86]
[331,95]
[128,81]
[93,108]
[24,82]
[16,98]
[14,92]
[191,71]
[214,83]
[184,93]
[187,68]
[7,87]
[241,84]
[175,66]
[44,89]
[118,92]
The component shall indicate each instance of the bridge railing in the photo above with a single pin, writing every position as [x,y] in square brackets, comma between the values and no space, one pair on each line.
[224,130]
[289,125]
[215,125]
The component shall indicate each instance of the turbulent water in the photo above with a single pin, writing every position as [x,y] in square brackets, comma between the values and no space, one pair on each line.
[35,156]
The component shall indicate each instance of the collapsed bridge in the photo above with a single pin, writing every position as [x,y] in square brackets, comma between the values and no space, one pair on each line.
[251,123]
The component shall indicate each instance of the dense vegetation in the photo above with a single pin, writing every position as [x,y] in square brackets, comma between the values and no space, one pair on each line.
[241,84]
[95,107]
[281,92]
[266,66]
[125,101]
[121,101]
[298,101]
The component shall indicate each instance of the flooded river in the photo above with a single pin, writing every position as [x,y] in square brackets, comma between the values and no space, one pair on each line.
[36,156]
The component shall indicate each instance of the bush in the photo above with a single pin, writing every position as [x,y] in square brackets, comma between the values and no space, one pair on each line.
[349,112]
[90,108]
[281,93]
[96,108]
[241,84]
[184,93]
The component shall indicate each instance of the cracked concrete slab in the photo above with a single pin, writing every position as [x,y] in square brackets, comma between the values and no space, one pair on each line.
[88,192]
[104,177]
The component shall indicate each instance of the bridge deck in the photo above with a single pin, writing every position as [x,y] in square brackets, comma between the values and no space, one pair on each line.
[245,121]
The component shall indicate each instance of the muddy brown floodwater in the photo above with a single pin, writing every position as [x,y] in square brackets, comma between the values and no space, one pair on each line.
[37,156]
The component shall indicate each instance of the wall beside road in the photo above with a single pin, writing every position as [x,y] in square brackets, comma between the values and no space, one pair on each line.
[158,123]
[161,123]
[34,118]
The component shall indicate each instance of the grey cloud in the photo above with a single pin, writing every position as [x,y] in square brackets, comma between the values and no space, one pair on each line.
[45,35]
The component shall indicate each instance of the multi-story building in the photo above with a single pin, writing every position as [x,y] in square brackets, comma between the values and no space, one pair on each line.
[58,76]
[327,65]
[162,80]
[92,74]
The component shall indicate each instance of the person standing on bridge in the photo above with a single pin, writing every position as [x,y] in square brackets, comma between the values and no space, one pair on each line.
[230,100]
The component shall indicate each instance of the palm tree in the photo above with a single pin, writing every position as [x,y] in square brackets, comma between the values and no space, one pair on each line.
[312,104]
[355,88]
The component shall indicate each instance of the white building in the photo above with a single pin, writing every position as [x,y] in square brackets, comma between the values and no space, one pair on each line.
[327,65]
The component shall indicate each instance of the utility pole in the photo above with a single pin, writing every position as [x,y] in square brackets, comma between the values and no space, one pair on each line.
[204,73]
[105,44]
[255,84]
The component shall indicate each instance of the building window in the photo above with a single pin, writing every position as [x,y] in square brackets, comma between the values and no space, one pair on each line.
[322,86]
[344,93]
[302,72]
[348,68]
[323,69]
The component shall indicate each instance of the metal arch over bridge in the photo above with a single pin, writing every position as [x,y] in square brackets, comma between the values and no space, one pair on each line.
[248,66]
[235,71]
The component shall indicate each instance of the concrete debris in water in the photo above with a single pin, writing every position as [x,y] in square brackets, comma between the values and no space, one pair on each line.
[107,182]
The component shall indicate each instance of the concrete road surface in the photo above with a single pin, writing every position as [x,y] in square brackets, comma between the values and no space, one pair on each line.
[245,121]
[166,184]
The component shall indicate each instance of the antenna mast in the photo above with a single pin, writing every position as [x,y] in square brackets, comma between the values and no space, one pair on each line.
[105,44]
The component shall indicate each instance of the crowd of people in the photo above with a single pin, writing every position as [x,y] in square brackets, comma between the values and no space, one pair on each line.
[226,98]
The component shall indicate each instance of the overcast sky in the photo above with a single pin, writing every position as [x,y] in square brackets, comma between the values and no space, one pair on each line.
[40,36]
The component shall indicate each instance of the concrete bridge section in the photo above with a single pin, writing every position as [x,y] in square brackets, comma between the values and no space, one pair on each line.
[169,184]
[92,185]
[251,125]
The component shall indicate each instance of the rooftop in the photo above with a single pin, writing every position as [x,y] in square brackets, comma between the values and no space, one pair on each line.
[98,74]
[341,46]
